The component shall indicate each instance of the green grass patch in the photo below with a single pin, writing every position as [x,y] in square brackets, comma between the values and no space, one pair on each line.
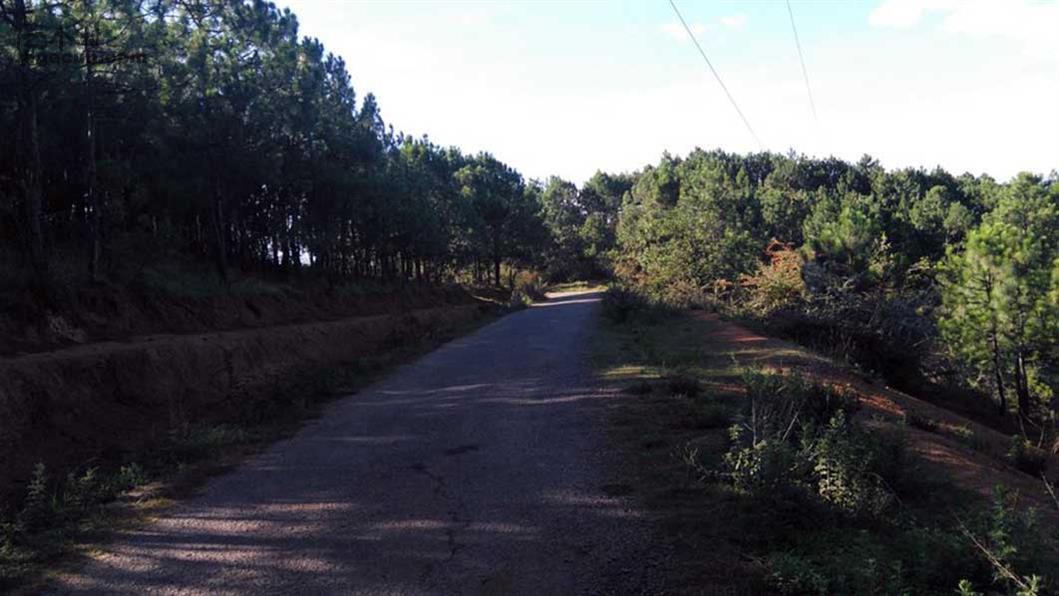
[577,286]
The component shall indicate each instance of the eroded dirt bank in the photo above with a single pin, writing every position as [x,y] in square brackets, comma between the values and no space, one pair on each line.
[71,406]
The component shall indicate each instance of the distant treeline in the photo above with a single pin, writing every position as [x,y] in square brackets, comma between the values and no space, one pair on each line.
[928,278]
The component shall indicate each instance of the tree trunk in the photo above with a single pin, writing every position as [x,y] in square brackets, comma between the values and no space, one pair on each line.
[220,255]
[997,370]
[32,170]
[90,197]
[1022,388]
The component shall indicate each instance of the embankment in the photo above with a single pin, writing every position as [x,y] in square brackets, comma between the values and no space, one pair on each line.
[89,402]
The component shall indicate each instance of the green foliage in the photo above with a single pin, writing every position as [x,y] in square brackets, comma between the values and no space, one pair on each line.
[684,385]
[527,288]
[796,439]
[917,420]
[640,387]
[38,506]
[620,304]
[1008,539]
[221,136]
[49,505]
[860,280]
[1027,457]
[965,434]
[845,235]
[791,574]
[851,467]
[777,284]
[966,588]
[999,313]
[789,407]
[766,469]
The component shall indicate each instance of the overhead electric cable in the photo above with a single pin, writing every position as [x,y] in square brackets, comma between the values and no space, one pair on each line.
[715,75]
[805,73]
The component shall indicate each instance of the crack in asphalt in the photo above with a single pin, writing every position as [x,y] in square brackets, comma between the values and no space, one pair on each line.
[335,509]
[455,523]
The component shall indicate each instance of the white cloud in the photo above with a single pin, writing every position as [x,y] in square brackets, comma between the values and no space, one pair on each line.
[903,14]
[1034,25]
[677,32]
[736,21]
[1029,24]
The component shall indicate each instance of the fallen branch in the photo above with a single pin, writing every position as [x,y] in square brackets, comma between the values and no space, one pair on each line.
[1051,489]
[995,561]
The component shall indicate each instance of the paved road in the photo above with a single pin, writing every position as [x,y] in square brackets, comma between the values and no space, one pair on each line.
[478,469]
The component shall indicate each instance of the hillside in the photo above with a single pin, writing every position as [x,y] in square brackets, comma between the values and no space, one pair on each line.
[681,382]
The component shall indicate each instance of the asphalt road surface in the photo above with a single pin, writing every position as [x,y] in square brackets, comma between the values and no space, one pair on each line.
[479,469]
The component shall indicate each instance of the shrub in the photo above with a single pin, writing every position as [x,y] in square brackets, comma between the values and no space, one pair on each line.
[776,285]
[194,442]
[84,491]
[916,420]
[39,506]
[684,385]
[851,466]
[792,574]
[798,437]
[1009,539]
[638,388]
[526,288]
[965,435]
[1027,457]
[621,304]
[710,415]
[764,469]
[788,406]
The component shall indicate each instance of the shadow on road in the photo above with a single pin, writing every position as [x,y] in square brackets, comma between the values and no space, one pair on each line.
[478,469]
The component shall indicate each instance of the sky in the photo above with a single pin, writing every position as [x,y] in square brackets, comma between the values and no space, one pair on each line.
[571,87]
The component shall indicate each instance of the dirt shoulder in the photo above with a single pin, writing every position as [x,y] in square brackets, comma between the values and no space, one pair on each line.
[969,453]
[94,402]
[67,317]
[124,428]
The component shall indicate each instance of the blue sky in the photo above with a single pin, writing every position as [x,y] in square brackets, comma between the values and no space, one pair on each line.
[570,87]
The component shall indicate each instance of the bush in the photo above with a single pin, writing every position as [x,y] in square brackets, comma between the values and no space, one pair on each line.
[526,288]
[851,467]
[621,304]
[792,574]
[789,406]
[194,442]
[710,415]
[38,508]
[965,435]
[638,388]
[798,437]
[1014,542]
[1027,457]
[916,420]
[776,285]
[766,469]
[684,385]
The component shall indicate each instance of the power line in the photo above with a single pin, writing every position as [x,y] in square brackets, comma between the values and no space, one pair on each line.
[715,75]
[805,73]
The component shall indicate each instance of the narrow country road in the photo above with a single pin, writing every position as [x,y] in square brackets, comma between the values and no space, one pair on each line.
[479,469]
